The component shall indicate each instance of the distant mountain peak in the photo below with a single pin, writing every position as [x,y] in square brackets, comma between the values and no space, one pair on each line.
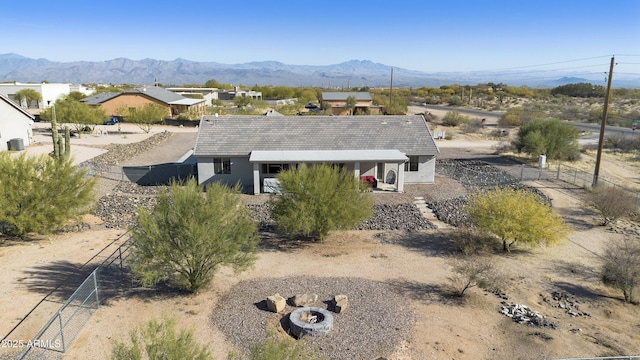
[355,73]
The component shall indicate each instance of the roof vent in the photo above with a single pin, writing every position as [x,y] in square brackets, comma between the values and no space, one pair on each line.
[408,121]
[383,122]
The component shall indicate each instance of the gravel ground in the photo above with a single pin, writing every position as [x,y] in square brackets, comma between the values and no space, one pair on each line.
[373,325]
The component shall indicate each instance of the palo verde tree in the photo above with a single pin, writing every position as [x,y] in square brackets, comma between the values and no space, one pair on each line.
[144,117]
[317,199]
[552,138]
[69,110]
[190,234]
[40,194]
[516,216]
[26,96]
[351,103]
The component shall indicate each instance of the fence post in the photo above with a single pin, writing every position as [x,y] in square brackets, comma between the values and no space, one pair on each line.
[575,175]
[558,173]
[64,346]
[522,172]
[95,286]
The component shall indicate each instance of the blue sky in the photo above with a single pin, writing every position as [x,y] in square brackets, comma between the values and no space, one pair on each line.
[430,36]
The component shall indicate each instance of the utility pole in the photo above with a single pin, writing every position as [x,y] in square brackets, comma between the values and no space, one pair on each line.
[603,125]
[390,90]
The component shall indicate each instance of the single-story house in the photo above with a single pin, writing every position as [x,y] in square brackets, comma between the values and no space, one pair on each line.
[15,125]
[337,101]
[175,104]
[249,149]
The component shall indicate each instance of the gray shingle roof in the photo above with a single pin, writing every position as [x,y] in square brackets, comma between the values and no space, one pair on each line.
[98,99]
[239,135]
[158,93]
[343,95]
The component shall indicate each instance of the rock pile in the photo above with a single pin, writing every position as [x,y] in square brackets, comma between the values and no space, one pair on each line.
[117,153]
[522,314]
[565,301]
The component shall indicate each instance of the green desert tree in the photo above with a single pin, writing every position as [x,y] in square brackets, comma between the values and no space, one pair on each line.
[190,234]
[242,101]
[621,266]
[351,103]
[144,117]
[28,96]
[160,340]
[552,138]
[79,115]
[516,216]
[40,194]
[317,199]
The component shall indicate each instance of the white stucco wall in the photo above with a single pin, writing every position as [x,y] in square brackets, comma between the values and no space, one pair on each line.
[425,174]
[14,124]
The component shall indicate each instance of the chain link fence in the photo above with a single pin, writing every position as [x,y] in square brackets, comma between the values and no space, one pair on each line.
[55,337]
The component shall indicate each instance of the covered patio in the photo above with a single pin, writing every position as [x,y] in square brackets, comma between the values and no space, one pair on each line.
[361,162]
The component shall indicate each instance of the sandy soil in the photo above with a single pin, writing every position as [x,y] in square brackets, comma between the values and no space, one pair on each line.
[445,327]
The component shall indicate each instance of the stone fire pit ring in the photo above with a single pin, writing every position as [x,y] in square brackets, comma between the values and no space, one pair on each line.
[300,327]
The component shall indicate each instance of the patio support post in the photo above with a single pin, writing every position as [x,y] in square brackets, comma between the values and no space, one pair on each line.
[356,169]
[256,178]
[400,177]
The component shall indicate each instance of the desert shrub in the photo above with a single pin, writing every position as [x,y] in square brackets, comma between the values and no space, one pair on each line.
[41,194]
[317,199]
[622,143]
[455,100]
[454,118]
[472,271]
[473,126]
[510,119]
[612,202]
[499,133]
[283,348]
[160,340]
[621,266]
[190,234]
[472,241]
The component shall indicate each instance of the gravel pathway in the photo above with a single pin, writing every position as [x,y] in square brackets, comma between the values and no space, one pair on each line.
[373,325]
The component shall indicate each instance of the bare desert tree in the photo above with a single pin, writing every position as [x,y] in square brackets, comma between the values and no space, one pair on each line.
[621,267]
[472,271]
[613,203]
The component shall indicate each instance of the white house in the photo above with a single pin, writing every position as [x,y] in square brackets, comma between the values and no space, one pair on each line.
[249,149]
[15,124]
[49,92]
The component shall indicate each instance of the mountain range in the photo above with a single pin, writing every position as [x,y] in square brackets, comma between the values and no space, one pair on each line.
[354,73]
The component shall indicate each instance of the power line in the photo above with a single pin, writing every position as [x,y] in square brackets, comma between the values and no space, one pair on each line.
[547,64]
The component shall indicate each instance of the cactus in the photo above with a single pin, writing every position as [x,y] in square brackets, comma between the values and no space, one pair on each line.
[61,146]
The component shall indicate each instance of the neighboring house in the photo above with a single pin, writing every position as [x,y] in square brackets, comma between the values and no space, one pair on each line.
[338,102]
[208,94]
[49,92]
[15,124]
[229,95]
[175,104]
[250,149]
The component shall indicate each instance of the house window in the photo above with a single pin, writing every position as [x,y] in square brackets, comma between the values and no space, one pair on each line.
[222,165]
[274,168]
[412,164]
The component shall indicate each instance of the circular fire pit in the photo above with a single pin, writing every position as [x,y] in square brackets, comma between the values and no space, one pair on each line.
[311,321]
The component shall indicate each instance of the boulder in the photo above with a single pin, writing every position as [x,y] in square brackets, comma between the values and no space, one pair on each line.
[340,303]
[301,300]
[276,303]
